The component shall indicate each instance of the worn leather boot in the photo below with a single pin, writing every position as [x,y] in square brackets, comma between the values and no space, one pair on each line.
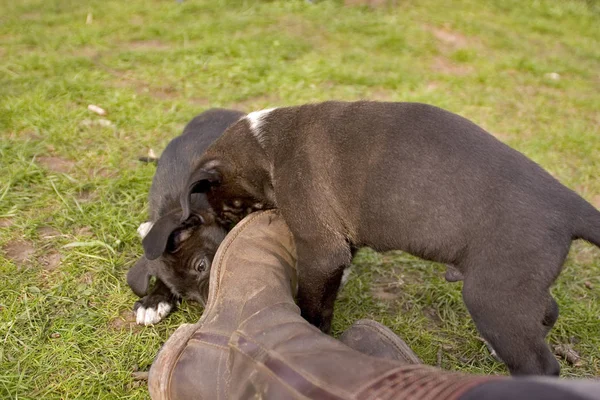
[252,269]
[251,341]
[377,340]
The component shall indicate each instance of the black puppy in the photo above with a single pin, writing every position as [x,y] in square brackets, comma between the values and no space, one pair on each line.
[412,177]
[178,254]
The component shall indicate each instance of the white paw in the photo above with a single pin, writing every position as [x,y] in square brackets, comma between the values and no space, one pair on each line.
[151,316]
[144,228]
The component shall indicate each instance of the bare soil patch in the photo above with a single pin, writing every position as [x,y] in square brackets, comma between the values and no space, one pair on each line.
[445,66]
[56,164]
[381,94]
[144,45]
[5,222]
[583,253]
[125,321]
[86,278]
[370,3]
[51,260]
[256,103]
[19,251]
[85,231]
[86,196]
[48,232]
[448,37]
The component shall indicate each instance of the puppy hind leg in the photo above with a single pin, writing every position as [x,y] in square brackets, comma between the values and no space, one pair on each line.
[511,320]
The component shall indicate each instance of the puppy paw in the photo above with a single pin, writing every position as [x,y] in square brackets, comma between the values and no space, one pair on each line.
[152,315]
[153,308]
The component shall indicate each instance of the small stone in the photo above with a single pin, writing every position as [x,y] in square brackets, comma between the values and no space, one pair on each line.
[588,285]
[104,123]
[96,109]
[55,335]
[553,75]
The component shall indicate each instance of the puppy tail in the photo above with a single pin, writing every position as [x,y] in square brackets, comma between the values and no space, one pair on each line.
[588,224]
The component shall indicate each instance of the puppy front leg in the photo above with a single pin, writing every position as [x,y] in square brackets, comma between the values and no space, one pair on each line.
[320,270]
[155,306]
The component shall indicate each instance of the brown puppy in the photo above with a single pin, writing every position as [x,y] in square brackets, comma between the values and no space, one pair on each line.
[412,177]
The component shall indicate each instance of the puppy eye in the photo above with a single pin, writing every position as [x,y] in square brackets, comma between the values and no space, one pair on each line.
[200,265]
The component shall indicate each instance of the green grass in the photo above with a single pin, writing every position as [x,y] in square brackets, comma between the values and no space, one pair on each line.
[72,189]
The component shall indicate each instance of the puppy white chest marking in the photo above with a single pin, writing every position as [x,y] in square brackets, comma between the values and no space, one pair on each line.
[256,119]
[144,228]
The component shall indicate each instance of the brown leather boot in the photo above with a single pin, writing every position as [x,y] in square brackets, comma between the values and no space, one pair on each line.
[377,340]
[253,268]
[251,341]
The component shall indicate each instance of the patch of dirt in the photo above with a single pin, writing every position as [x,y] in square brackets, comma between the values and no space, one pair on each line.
[433,316]
[86,278]
[596,201]
[31,16]
[56,164]
[149,45]
[445,66]
[381,94]
[448,37]
[370,3]
[85,196]
[125,321]
[501,136]
[84,231]
[584,253]
[48,232]
[5,222]
[431,86]
[102,172]
[386,291]
[51,260]
[160,93]
[165,93]
[199,101]
[136,20]
[256,103]
[86,51]
[26,134]
[19,251]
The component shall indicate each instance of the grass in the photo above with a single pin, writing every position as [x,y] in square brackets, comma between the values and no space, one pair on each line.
[72,192]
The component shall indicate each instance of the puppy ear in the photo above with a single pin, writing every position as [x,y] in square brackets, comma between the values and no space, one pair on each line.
[155,242]
[139,276]
[200,181]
